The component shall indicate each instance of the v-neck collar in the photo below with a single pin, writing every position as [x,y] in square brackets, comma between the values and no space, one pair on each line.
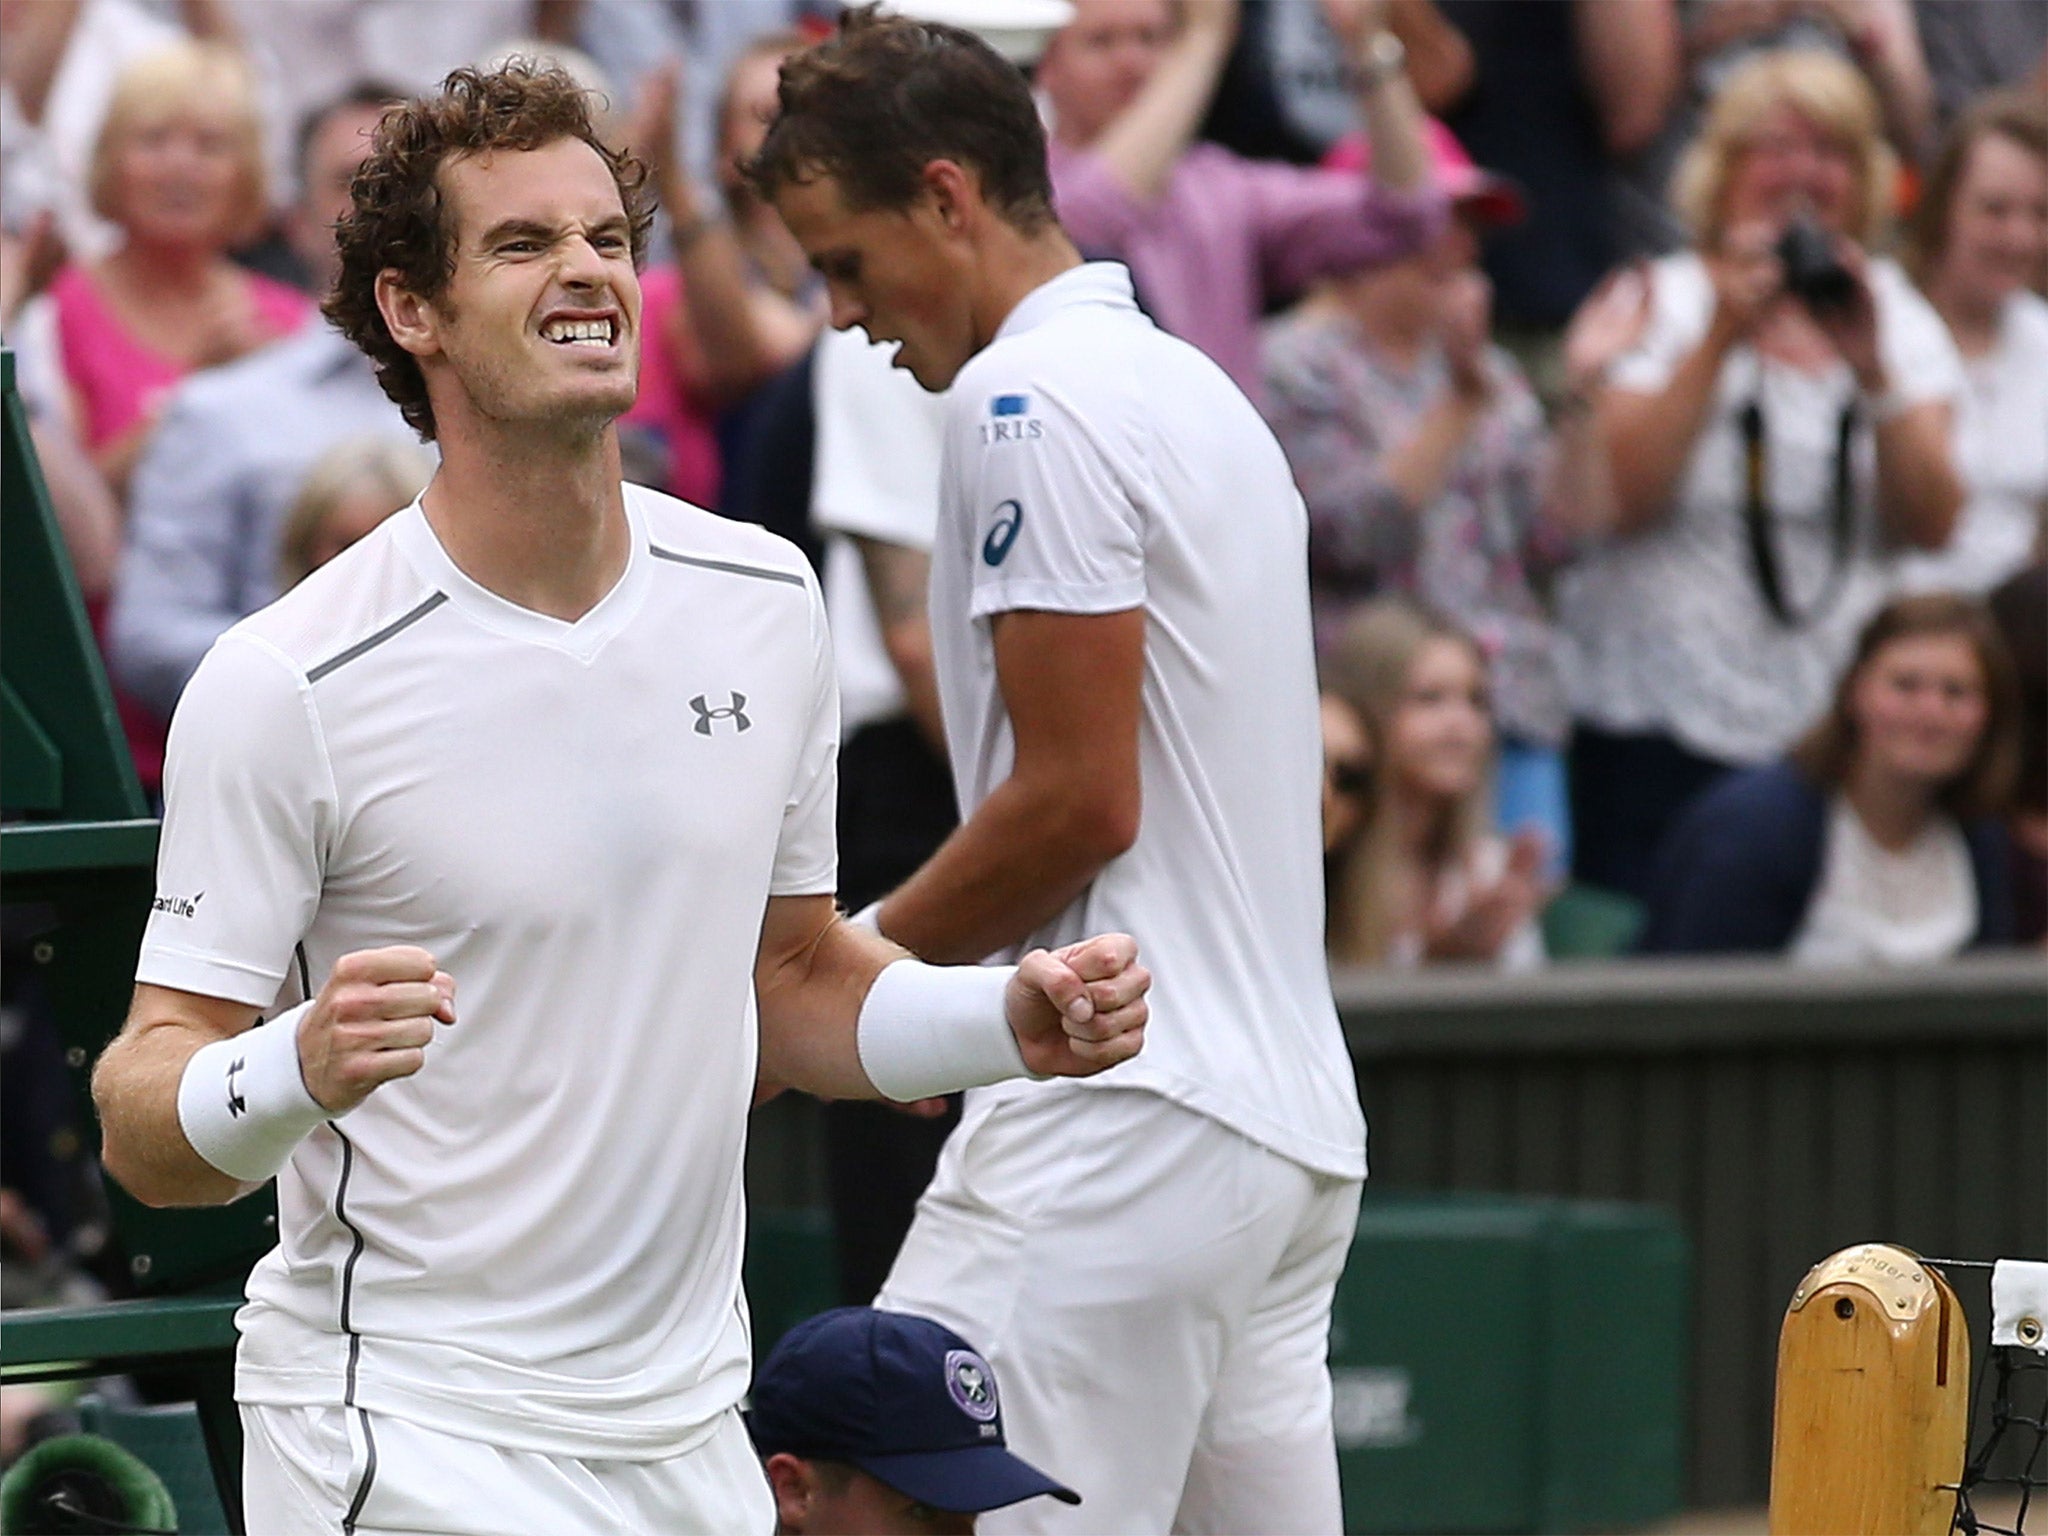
[582,639]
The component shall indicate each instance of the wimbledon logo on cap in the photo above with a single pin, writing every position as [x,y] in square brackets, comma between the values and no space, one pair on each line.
[971,1385]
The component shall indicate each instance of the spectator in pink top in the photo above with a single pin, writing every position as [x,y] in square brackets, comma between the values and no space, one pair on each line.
[179,170]
[1210,237]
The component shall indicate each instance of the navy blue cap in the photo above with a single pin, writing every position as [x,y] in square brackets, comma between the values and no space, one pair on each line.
[905,1399]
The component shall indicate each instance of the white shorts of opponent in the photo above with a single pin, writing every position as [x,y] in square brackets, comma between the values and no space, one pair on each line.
[1154,1292]
[305,1474]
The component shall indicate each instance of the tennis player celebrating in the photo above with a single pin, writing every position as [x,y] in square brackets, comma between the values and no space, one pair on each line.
[569,744]
[1119,614]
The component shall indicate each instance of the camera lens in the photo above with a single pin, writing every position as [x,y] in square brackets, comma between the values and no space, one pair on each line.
[1813,273]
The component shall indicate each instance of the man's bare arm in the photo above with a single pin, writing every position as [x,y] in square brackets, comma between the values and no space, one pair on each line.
[898,579]
[1633,61]
[1069,1013]
[1070,683]
[371,1023]
[135,1088]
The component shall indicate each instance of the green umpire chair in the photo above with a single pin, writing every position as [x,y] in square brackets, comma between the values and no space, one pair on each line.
[77,854]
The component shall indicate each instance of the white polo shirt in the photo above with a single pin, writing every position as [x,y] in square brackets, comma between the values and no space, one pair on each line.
[1095,464]
[536,1240]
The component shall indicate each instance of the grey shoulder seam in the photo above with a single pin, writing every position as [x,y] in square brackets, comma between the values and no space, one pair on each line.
[363,647]
[731,567]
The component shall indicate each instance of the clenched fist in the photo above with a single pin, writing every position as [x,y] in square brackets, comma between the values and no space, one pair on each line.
[1079,1009]
[372,1022]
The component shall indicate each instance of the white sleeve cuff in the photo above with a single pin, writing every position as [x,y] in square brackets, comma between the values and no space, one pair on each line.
[927,1030]
[243,1103]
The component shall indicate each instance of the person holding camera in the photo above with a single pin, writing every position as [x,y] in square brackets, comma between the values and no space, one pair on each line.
[1779,433]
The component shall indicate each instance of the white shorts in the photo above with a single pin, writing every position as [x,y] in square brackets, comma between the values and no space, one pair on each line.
[1154,1293]
[310,1472]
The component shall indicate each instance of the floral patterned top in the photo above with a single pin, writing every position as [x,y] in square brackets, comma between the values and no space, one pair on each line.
[1477,554]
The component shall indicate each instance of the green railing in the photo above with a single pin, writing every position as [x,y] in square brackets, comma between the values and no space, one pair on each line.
[76,857]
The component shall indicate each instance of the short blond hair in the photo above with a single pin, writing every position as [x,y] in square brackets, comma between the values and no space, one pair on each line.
[1828,92]
[185,77]
[375,465]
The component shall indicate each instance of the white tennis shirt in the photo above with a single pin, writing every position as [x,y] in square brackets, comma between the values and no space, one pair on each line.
[536,1239]
[1094,464]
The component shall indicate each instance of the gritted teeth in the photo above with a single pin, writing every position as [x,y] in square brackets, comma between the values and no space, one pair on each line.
[600,332]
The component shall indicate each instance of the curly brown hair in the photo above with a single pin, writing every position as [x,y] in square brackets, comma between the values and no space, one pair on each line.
[873,106]
[400,222]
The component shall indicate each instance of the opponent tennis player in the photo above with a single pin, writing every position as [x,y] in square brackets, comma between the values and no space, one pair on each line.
[569,743]
[1119,613]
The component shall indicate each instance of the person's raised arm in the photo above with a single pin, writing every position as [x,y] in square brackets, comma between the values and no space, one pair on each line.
[1578,481]
[1386,100]
[1650,433]
[845,1014]
[87,515]
[37,37]
[1418,466]
[1142,146]
[196,1108]
[741,346]
[1919,493]
[1632,59]
[1070,684]
[1440,63]
[1885,38]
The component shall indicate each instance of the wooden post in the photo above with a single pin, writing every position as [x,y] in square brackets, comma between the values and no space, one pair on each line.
[1873,1399]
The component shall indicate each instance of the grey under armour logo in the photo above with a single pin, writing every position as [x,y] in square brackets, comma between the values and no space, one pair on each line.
[236,1103]
[736,712]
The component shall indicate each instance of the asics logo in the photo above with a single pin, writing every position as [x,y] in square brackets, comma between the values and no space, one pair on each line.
[1002,533]
[736,712]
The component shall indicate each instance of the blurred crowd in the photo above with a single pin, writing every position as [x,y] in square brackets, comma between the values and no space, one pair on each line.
[1632,357]
[1636,360]
[1666,380]
[1646,366]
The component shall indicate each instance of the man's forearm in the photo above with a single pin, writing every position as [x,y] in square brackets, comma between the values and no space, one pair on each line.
[809,1005]
[143,1144]
[1017,863]
[897,577]
[847,1015]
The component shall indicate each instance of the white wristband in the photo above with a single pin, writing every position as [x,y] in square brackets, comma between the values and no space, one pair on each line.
[868,917]
[927,1030]
[242,1102]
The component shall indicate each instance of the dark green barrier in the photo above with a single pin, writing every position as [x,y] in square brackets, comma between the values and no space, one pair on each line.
[1505,1364]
